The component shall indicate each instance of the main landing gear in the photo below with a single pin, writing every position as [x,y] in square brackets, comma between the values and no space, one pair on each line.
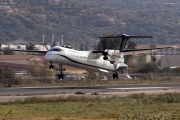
[115,75]
[60,75]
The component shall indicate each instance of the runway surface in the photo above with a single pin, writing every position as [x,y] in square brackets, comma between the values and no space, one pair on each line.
[26,91]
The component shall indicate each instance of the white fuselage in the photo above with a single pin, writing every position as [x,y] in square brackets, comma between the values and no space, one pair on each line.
[80,59]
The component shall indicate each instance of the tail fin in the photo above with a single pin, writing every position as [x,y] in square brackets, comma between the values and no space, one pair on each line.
[125,39]
[124,42]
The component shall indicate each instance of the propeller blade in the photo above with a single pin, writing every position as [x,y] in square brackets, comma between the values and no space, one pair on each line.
[104,44]
[98,51]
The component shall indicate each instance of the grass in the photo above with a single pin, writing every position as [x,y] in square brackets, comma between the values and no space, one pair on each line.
[136,106]
[139,106]
[142,78]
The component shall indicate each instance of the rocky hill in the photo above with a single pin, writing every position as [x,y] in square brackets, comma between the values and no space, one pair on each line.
[86,20]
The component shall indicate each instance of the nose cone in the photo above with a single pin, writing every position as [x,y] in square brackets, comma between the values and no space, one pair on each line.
[48,56]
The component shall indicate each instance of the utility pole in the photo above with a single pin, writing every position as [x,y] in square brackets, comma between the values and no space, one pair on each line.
[52,40]
[73,42]
[62,39]
[43,41]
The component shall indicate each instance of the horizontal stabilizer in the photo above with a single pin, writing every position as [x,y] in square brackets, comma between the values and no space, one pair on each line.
[128,36]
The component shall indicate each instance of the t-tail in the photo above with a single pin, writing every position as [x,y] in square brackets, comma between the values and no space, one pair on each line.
[125,38]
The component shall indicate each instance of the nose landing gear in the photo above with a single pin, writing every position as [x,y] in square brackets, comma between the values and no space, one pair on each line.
[51,66]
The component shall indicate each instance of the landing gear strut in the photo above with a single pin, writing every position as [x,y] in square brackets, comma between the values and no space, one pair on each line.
[60,75]
[115,75]
[51,66]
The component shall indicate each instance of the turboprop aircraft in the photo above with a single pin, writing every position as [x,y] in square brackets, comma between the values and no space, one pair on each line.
[104,61]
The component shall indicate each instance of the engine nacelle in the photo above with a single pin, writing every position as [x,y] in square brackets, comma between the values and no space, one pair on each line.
[110,52]
[121,66]
[108,55]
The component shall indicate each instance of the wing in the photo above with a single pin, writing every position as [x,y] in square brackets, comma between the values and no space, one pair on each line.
[119,53]
[31,51]
[94,55]
[136,51]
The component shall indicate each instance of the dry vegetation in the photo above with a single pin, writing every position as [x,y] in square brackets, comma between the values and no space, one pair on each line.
[137,106]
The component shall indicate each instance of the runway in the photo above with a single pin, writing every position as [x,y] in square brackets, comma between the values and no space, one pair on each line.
[27,91]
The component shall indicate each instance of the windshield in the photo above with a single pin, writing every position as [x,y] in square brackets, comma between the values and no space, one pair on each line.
[56,49]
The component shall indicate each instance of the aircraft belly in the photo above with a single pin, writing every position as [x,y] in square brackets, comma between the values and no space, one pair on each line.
[90,66]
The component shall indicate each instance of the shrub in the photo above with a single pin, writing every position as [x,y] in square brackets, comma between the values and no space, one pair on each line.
[146,68]
[79,92]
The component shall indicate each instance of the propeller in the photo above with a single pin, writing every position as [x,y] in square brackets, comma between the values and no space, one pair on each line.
[105,51]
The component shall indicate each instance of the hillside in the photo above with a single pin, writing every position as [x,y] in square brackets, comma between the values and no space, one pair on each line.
[86,20]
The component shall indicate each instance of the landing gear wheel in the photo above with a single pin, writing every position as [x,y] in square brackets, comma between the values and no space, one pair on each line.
[115,76]
[51,66]
[61,76]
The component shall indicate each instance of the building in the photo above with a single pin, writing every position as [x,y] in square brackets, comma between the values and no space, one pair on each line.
[168,57]
[23,62]
[170,61]
[20,42]
[17,61]
[175,50]
[21,45]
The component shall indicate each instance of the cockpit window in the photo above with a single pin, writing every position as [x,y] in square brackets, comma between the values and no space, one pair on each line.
[56,49]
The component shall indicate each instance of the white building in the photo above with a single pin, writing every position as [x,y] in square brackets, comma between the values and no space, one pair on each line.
[170,61]
[23,47]
[175,50]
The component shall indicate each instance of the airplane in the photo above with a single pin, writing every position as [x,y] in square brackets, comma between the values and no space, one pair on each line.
[102,61]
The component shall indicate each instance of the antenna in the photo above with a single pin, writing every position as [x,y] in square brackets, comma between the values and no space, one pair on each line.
[43,41]
[73,43]
[52,39]
[62,39]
